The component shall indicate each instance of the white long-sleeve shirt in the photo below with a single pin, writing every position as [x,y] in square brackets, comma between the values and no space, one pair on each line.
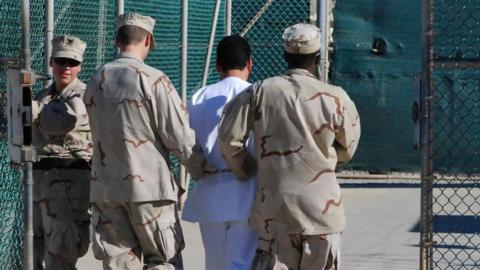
[219,197]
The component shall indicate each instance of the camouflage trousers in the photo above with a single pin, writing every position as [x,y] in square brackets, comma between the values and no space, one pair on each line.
[61,218]
[126,231]
[299,252]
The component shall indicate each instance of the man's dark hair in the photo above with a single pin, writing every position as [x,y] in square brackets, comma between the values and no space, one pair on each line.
[130,34]
[233,52]
[300,60]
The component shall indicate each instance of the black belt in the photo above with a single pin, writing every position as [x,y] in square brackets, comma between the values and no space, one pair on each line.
[218,171]
[61,163]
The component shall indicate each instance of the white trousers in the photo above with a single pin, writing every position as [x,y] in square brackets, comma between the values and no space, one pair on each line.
[228,245]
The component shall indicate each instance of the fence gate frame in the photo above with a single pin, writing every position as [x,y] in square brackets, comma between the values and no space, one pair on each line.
[426,133]
[449,192]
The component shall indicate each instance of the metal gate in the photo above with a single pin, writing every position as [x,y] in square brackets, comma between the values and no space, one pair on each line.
[450,212]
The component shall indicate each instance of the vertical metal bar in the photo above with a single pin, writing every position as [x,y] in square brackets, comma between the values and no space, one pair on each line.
[26,53]
[120,7]
[210,42]
[28,245]
[184,179]
[26,67]
[120,10]
[184,64]
[228,17]
[322,23]
[49,5]
[426,233]
[314,12]
[102,32]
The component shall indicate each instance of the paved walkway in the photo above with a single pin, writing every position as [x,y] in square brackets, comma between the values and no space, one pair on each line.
[379,228]
[380,219]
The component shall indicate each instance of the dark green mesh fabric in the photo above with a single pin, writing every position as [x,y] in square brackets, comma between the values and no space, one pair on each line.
[167,15]
[200,22]
[11,205]
[265,36]
[94,22]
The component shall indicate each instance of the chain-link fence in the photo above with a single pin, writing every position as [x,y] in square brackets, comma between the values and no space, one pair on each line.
[94,21]
[11,204]
[270,18]
[451,190]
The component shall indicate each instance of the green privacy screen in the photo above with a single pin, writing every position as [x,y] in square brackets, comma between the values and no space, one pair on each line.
[377,55]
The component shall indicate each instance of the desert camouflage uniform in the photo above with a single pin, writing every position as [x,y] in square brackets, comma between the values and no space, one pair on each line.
[137,120]
[302,128]
[62,137]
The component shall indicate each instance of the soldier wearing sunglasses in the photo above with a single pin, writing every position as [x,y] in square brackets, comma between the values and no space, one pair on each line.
[61,135]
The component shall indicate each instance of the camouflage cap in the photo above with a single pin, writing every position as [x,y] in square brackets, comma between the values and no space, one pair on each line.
[301,39]
[145,22]
[68,47]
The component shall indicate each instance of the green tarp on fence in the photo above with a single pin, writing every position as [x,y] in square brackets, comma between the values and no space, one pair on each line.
[377,55]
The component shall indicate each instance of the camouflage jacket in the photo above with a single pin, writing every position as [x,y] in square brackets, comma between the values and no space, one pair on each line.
[137,120]
[60,123]
[302,129]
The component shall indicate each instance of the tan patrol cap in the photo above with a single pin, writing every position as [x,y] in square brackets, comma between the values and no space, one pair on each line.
[301,38]
[135,19]
[68,47]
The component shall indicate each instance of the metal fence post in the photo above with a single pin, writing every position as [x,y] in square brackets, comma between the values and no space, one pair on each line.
[28,239]
[49,5]
[120,7]
[210,42]
[26,80]
[184,178]
[322,23]
[228,17]
[426,233]
[26,53]
[120,10]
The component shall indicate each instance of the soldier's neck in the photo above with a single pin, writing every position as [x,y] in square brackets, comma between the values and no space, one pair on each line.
[136,49]
[310,68]
[59,86]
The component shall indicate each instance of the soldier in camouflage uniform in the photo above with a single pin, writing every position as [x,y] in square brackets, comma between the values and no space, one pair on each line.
[61,135]
[137,120]
[302,128]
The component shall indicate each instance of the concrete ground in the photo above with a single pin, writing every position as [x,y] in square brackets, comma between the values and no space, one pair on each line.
[380,219]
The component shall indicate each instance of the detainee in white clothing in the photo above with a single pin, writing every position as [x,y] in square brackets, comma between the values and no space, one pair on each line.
[221,203]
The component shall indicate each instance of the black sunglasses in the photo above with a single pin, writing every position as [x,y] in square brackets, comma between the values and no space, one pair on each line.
[67,62]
